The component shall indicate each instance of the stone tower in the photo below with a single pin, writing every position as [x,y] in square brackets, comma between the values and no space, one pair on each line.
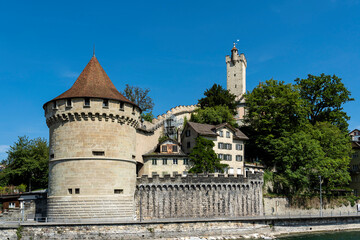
[236,78]
[92,167]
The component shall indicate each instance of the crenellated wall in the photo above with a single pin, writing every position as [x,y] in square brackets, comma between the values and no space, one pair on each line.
[198,196]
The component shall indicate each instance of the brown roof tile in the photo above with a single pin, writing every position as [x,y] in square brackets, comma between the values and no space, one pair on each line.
[210,130]
[93,82]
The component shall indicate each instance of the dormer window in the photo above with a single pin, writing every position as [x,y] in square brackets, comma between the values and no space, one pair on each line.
[105,103]
[164,148]
[122,106]
[174,148]
[86,102]
[68,102]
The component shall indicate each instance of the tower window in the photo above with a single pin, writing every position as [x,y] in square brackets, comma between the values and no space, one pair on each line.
[235,75]
[118,191]
[68,102]
[70,190]
[77,190]
[54,105]
[86,102]
[98,153]
[235,85]
[133,111]
[52,156]
[105,103]
[121,106]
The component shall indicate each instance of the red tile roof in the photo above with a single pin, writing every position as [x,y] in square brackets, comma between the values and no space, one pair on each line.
[93,82]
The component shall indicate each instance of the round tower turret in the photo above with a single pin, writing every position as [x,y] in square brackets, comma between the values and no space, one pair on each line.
[92,167]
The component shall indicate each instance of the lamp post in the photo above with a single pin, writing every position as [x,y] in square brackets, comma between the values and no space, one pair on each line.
[320,198]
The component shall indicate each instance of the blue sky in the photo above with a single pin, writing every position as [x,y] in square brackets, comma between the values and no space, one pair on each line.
[175,48]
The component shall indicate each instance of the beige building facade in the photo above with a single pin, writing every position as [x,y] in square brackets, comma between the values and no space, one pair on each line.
[229,143]
[166,159]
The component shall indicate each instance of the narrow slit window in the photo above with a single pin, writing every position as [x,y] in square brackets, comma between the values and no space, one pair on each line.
[98,153]
[87,102]
[54,105]
[118,191]
[121,106]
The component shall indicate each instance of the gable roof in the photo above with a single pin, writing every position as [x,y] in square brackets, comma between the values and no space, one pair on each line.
[210,130]
[156,151]
[93,82]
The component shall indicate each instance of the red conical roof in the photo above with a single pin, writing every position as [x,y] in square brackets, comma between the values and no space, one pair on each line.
[93,82]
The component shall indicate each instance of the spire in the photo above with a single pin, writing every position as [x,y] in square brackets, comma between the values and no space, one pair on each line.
[234,48]
[94,51]
[93,82]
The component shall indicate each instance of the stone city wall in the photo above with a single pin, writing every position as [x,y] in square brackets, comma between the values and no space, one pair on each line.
[200,196]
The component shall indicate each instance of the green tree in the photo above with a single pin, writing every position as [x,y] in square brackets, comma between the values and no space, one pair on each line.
[213,115]
[139,96]
[325,96]
[27,163]
[283,135]
[272,110]
[147,116]
[204,157]
[218,96]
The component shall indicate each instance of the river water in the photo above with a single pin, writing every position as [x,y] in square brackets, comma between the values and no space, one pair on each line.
[343,235]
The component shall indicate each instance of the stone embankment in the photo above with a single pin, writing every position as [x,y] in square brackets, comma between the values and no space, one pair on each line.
[236,228]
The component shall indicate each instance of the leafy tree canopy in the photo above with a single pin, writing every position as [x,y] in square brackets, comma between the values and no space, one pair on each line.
[218,96]
[139,96]
[301,138]
[213,115]
[325,96]
[147,116]
[27,163]
[204,157]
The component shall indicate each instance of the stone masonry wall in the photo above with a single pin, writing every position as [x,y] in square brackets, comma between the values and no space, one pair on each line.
[199,196]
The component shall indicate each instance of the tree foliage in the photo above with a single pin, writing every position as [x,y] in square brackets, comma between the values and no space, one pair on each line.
[300,137]
[325,96]
[139,96]
[218,96]
[27,163]
[204,158]
[213,115]
[147,116]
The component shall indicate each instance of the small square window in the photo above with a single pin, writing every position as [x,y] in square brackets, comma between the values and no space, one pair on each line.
[86,102]
[52,156]
[118,191]
[164,148]
[70,190]
[77,190]
[105,103]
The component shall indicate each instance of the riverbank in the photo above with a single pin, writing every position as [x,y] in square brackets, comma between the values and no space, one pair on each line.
[234,228]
